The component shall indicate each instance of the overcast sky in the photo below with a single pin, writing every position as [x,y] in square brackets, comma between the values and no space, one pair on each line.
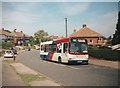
[32,16]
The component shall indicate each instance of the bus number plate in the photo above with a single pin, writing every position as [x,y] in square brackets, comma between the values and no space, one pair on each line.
[79,61]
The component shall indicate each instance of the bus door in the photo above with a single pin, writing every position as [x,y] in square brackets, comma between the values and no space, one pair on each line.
[64,54]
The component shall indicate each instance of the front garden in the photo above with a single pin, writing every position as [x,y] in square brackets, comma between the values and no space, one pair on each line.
[104,53]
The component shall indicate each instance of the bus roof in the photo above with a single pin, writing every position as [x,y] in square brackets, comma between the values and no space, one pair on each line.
[62,40]
[47,42]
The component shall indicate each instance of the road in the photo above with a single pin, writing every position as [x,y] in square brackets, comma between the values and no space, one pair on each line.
[70,75]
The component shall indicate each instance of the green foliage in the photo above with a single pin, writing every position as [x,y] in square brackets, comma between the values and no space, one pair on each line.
[109,40]
[32,41]
[36,41]
[6,45]
[41,34]
[97,47]
[107,54]
[92,47]
[103,52]
[116,36]
[7,31]
[31,77]
[0,43]
[10,61]
[31,38]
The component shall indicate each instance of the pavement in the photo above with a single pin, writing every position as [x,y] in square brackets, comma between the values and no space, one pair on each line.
[105,63]
[25,70]
[11,78]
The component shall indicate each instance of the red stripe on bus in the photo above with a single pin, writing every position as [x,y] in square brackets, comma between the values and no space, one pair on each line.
[62,40]
[51,56]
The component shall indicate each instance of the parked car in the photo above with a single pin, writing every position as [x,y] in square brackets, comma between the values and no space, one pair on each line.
[14,51]
[37,47]
[9,53]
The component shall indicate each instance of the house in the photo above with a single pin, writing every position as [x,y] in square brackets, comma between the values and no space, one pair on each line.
[92,37]
[5,35]
[17,38]
[53,37]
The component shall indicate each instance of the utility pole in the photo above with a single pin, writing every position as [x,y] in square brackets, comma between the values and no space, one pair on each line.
[66,26]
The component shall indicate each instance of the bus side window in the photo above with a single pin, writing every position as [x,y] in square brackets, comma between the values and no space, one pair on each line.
[65,47]
[59,47]
[46,49]
[42,47]
[53,48]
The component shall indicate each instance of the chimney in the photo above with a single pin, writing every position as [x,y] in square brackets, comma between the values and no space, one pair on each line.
[74,30]
[21,31]
[14,30]
[84,25]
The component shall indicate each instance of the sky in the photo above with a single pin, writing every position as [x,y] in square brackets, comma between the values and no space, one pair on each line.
[50,16]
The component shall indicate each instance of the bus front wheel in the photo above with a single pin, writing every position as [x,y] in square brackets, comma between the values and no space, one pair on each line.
[59,60]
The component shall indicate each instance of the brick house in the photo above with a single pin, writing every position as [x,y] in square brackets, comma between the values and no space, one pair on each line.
[92,37]
[17,38]
[5,35]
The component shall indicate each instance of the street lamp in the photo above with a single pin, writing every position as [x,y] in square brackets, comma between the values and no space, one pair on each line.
[66,26]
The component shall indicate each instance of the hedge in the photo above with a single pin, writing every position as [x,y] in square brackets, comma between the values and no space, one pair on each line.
[107,54]
[6,45]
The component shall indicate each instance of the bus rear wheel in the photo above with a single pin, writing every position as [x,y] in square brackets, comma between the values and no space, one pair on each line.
[59,60]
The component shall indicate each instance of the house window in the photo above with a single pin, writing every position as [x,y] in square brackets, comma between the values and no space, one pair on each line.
[100,39]
[91,41]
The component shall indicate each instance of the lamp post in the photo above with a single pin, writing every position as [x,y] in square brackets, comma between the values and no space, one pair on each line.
[66,26]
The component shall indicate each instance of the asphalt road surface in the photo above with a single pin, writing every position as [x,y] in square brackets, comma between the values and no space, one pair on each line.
[70,75]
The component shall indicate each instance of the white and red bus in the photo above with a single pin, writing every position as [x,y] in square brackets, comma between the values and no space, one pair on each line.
[67,50]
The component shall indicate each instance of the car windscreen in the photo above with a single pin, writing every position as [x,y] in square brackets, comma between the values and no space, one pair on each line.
[8,52]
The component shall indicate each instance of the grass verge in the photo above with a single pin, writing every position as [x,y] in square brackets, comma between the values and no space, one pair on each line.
[31,77]
[10,61]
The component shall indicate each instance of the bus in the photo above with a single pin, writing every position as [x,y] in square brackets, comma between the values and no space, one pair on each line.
[66,50]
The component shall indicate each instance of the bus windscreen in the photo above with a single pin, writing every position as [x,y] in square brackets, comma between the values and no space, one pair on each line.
[78,46]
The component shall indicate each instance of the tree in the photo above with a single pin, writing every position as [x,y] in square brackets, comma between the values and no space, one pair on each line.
[116,36]
[41,34]
[31,39]
[109,40]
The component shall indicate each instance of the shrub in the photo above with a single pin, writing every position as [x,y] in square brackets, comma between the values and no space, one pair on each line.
[6,45]
[107,54]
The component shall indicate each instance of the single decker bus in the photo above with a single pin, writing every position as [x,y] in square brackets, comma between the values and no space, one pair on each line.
[66,50]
